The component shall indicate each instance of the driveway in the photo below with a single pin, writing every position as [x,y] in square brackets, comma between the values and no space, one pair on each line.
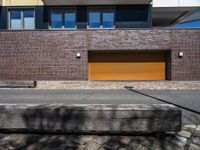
[187,100]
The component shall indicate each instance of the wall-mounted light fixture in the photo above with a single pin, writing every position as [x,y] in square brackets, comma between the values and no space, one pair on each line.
[180,54]
[78,55]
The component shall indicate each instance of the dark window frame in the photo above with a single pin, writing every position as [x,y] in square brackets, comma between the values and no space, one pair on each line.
[63,10]
[21,9]
[101,10]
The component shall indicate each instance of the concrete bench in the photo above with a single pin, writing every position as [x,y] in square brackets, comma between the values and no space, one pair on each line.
[90,118]
[17,84]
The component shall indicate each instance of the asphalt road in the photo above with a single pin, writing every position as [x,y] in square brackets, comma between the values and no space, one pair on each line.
[183,98]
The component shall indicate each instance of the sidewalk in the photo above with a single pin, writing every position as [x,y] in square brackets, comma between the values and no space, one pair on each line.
[138,85]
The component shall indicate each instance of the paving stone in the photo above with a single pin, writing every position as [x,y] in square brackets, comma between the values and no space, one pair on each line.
[194,147]
[123,148]
[196,140]
[189,127]
[197,131]
[84,139]
[198,128]
[184,134]
[111,145]
[101,148]
[172,146]
[174,143]
[124,140]
[64,142]
[101,139]
[141,147]
[181,140]
[92,145]
[134,145]
[148,142]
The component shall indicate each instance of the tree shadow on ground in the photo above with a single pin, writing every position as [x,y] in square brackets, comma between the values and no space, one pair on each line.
[48,122]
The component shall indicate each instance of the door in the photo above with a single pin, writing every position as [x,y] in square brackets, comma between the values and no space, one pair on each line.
[126,66]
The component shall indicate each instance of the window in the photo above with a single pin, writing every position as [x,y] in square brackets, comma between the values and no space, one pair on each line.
[70,20]
[63,19]
[101,19]
[94,20]
[56,20]
[21,19]
[108,19]
[15,19]
[29,19]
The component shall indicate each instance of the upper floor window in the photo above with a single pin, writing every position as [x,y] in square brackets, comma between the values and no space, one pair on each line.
[63,19]
[94,19]
[21,19]
[108,19]
[101,19]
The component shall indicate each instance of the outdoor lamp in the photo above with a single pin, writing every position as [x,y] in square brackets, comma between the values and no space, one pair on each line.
[180,54]
[78,55]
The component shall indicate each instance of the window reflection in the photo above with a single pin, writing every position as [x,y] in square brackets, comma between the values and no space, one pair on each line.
[108,19]
[15,19]
[56,20]
[94,20]
[29,19]
[22,19]
[101,19]
[70,20]
[63,19]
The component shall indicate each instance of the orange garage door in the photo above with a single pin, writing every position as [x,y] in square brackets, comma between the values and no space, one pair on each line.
[127,66]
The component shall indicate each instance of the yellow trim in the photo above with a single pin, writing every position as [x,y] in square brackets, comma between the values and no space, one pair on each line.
[22,2]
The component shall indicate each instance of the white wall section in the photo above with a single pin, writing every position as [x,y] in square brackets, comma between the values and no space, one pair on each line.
[176,3]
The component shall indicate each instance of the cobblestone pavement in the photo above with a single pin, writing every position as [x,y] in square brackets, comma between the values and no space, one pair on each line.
[154,85]
[187,139]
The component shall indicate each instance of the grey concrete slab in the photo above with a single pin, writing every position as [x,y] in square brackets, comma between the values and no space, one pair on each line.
[86,118]
[17,84]
[185,98]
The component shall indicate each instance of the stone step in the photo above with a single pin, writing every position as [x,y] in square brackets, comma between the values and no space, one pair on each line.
[89,118]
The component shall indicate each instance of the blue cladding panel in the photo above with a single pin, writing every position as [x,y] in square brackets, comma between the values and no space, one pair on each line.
[41,17]
[133,16]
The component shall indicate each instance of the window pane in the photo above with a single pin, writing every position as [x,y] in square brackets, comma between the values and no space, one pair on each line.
[15,19]
[29,19]
[94,20]
[108,19]
[70,20]
[56,20]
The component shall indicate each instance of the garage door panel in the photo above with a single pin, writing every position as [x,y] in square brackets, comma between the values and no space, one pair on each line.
[127,71]
[134,70]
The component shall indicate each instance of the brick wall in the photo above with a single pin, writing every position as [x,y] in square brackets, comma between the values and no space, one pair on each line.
[51,55]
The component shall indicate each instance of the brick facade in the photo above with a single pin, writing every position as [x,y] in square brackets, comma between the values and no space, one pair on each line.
[51,55]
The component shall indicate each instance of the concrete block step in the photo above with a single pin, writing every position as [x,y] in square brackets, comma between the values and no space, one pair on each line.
[90,118]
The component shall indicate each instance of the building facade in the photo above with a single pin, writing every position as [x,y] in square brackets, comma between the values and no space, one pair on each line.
[97,40]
